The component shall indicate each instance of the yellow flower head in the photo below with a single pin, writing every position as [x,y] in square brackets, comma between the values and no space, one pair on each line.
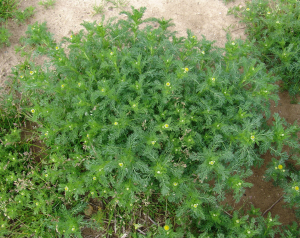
[212,162]
[153,142]
[102,90]
[71,36]
[166,227]
[233,43]
[203,52]
[92,193]
[22,76]
[193,36]
[168,84]
[133,105]
[31,72]
[56,48]
[252,137]
[73,229]
[195,205]
[116,123]
[186,70]
[175,184]
[79,84]
[247,9]
[60,59]
[32,110]
[46,175]
[94,178]
[166,126]
[213,79]
[268,13]
[280,166]
[296,188]
[111,53]
[62,86]
[66,188]
[121,164]
[237,221]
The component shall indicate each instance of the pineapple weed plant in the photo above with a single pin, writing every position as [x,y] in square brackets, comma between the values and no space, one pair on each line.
[275,27]
[145,122]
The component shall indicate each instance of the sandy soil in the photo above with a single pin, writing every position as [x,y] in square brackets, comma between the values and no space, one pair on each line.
[207,17]
[203,17]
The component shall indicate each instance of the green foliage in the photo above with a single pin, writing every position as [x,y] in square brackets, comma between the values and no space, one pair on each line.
[98,9]
[22,16]
[118,3]
[7,7]
[47,3]
[129,115]
[274,25]
[4,36]
[227,1]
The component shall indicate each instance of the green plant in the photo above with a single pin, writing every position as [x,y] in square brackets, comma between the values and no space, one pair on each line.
[98,9]
[7,7]
[134,119]
[47,3]
[274,25]
[4,36]
[227,1]
[118,3]
[22,16]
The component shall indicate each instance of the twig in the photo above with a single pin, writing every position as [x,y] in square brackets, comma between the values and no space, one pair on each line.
[141,232]
[273,205]
[227,213]
[150,219]
[124,235]
[238,29]
[224,211]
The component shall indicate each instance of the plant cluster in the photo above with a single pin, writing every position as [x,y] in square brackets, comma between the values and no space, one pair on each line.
[9,9]
[275,27]
[100,9]
[47,3]
[136,117]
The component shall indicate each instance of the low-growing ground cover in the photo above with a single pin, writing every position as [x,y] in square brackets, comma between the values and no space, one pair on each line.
[134,122]
[9,9]
[274,25]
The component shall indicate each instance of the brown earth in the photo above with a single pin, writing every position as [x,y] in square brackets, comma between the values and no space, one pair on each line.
[203,17]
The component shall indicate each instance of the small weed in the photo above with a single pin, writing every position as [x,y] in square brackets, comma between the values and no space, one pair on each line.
[47,3]
[4,36]
[118,3]
[22,16]
[98,9]
[7,7]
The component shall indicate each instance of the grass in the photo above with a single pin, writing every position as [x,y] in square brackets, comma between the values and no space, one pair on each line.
[118,3]
[99,9]
[47,3]
[7,8]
